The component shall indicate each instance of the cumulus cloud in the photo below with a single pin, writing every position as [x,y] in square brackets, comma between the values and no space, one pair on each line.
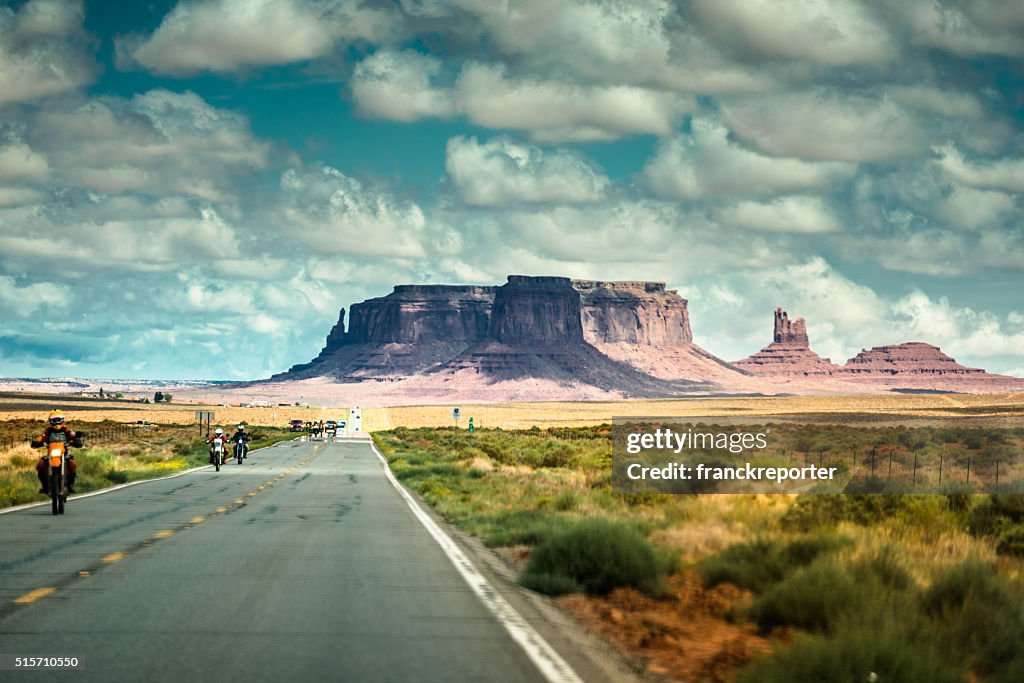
[158,142]
[401,86]
[502,171]
[398,85]
[833,32]
[826,125]
[43,50]
[1005,174]
[707,164]
[335,214]
[228,35]
[798,214]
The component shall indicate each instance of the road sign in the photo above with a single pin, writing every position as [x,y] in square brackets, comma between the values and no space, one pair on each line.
[355,419]
[202,415]
[455,414]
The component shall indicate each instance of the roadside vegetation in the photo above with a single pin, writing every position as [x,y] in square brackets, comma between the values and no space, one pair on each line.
[849,587]
[150,451]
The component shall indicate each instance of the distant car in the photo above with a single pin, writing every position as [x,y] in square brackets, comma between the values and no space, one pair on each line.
[331,425]
[297,425]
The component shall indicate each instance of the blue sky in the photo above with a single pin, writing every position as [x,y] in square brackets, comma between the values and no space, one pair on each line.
[192,188]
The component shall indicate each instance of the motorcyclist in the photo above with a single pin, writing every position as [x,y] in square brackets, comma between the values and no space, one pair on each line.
[240,433]
[216,439]
[57,426]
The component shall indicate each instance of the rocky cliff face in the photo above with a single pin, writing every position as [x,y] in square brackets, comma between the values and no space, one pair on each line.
[909,359]
[536,309]
[633,312]
[787,332]
[789,354]
[409,330]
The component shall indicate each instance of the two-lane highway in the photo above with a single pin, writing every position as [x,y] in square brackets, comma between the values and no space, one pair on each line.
[303,564]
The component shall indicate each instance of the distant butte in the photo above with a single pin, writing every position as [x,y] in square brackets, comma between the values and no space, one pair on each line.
[789,354]
[537,338]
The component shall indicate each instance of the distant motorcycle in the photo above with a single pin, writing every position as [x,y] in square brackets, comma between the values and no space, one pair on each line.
[217,452]
[57,450]
[240,450]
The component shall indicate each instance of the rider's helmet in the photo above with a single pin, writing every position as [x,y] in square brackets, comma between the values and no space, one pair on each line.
[218,431]
[241,428]
[56,417]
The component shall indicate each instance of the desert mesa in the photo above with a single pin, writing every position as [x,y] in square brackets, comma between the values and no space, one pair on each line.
[556,338]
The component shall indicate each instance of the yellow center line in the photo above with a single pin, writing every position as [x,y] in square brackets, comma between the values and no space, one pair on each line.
[166,533]
[114,557]
[222,508]
[84,572]
[197,519]
[32,596]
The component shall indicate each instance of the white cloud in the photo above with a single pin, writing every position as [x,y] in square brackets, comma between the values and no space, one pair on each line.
[964,29]
[336,214]
[798,214]
[18,162]
[402,86]
[502,171]
[999,174]
[973,209]
[398,86]
[158,142]
[947,103]
[826,125]
[42,50]
[707,164]
[229,35]
[23,300]
[834,32]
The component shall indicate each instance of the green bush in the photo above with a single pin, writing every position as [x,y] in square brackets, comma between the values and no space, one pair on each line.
[757,565]
[887,651]
[978,617]
[825,510]
[816,597]
[1011,542]
[598,555]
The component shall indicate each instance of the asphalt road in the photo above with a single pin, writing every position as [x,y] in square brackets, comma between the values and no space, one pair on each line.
[302,564]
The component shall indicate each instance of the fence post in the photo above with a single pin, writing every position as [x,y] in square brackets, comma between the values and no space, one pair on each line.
[968,469]
[940,468]
[914,480]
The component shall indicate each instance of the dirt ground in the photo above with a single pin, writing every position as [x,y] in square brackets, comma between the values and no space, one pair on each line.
[684,637]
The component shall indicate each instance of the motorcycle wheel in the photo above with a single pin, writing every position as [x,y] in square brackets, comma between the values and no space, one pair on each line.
[55,493]
[60,504]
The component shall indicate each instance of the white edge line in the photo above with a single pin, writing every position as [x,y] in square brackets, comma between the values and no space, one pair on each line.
[110,489]
[550,663]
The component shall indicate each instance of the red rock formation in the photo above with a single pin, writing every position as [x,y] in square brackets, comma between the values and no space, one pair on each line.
[633,312]
[413,328]
[789,355]
[537,333]
[648,327]
[910,358]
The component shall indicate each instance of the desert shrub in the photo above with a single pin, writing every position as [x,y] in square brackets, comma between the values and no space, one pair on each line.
[854,655]
[815,598]
[566,500]
[986,518]
[757,565]
[1011,541]
[598,555]
[978,618]
[523,527]
[116,476]
[825,510]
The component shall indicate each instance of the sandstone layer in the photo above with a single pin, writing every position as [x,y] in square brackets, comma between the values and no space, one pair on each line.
[789,354]
[910,358]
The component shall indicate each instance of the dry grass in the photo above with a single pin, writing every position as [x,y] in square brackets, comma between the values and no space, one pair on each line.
[893,407]
[579,414]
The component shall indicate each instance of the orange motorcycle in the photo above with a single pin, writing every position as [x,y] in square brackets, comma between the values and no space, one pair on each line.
[57,452]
